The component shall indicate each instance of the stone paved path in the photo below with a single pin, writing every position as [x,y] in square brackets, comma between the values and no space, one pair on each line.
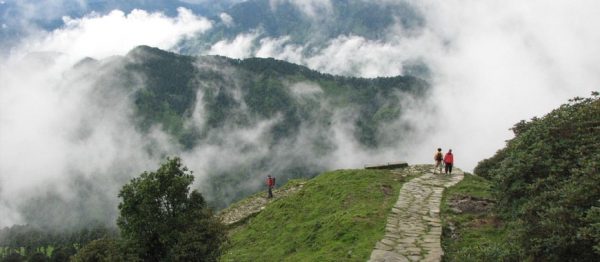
[253,205]
[414,229]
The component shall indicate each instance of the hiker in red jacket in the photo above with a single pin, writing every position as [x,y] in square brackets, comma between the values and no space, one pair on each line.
[449,161]
[271,185]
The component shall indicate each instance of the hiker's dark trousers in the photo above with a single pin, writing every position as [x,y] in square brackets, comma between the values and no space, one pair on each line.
[448,167]
[270,192]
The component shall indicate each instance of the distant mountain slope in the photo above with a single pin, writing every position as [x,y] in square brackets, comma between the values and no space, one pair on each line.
[238,120]
[267,88]
[311,23]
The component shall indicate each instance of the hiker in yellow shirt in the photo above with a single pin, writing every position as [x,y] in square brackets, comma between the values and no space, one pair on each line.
[438,157]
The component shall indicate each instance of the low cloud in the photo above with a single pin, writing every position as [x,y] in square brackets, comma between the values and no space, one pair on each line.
[240,47]
[304,89]
[312,8]
[226,19]
[60,122]
[491,66]
[116,33]
[500,63]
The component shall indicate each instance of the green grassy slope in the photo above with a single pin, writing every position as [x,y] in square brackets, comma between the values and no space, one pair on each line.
[336,216]
[471,234]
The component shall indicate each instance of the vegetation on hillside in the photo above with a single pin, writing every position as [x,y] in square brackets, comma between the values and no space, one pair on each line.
[367,19]
[171,82]
[237,94]
[546,183]
[336,216]
[160,220]
[472,231]
[265,115]
[24,242]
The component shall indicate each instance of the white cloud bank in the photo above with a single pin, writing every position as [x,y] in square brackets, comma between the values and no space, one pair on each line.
[55,122]
[502,61]
[116,33]
[493,63]
[226,19]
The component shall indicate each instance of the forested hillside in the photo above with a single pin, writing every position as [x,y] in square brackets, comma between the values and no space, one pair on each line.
[232,121]
[267,87]
[313,23]
[200,101]
[546,183]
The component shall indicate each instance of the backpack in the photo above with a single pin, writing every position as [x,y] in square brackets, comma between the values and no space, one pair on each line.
[271,182]
[438,156]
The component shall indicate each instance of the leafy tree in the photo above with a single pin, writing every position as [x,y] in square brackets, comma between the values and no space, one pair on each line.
[163,221]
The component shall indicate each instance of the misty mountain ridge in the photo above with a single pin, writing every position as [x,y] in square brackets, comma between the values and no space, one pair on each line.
[312,23]
[317,34]
[200,101]
[17,16]
[269,88]
[233,121]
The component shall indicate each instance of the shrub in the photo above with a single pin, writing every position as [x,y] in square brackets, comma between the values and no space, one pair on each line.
[102,250]
[546,180]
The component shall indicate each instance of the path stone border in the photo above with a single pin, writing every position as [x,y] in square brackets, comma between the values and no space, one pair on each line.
[414,229]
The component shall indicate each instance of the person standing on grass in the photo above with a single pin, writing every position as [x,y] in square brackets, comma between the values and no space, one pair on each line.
[270,185]
[448,162]
[438,157]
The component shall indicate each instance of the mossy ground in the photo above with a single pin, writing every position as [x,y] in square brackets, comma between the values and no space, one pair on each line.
[337,216]
[474,235]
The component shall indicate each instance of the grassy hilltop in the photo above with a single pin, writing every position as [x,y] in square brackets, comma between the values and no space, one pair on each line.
[535,200]
[336,216]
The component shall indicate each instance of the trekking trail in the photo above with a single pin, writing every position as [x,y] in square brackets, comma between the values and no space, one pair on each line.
[254,204]
[413,231]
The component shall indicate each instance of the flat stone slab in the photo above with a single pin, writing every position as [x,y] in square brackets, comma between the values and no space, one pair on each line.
[387,256]
[388,242]
[431,240]
[383,247]
[388,166]
[415,258]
